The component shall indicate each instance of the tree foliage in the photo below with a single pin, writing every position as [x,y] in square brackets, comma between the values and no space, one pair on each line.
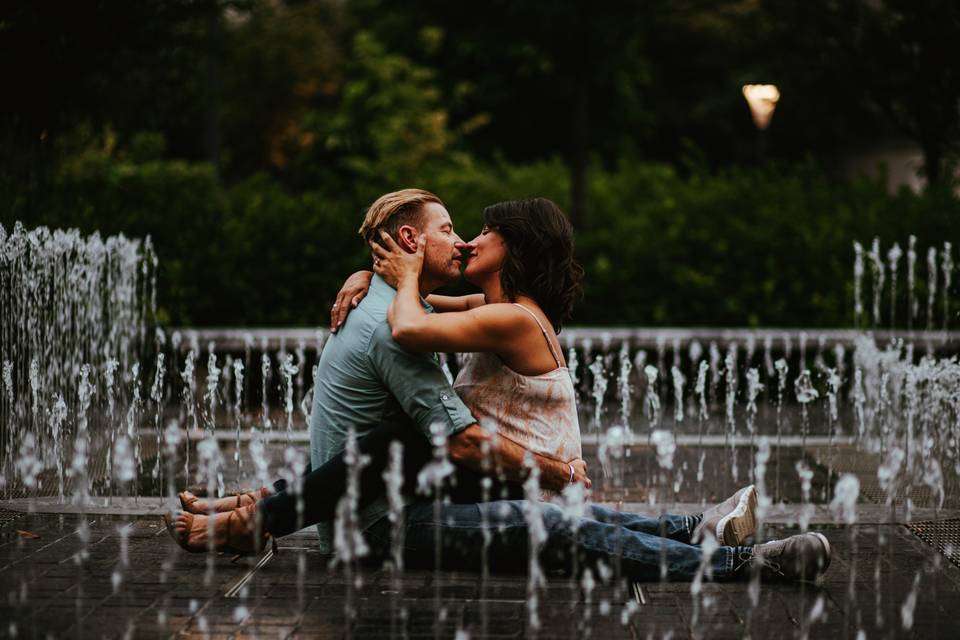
[248,136]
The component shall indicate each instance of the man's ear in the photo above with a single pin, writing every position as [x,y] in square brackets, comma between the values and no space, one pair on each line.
[408,238]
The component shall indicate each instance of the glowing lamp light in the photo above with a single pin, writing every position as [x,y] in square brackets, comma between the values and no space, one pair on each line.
[762,99]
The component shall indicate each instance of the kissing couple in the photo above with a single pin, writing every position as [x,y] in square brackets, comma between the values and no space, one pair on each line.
[508,423]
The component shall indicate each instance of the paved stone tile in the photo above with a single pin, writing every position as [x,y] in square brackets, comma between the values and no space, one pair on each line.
[162,592]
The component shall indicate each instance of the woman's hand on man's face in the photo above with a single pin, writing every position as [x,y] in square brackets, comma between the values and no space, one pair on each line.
[393,263]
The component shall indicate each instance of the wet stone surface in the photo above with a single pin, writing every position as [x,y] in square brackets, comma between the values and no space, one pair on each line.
[74,579]
[114,572]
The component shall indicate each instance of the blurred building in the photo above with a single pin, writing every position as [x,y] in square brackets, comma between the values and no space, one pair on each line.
[900,159]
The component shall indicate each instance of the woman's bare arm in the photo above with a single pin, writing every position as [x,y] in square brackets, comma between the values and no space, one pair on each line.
[442,304]
[488,327]
[355,289]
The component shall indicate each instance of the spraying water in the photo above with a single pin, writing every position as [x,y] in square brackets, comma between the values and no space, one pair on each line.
[264,397]
[911,281]
[702,415]
[599,389]
[213,384]
[572,365]
[288,370]
[931,285]
[753,390]
[652,400]
[857,280]
[730,396]
[238,409]
[893,258]
[156,396]
[876,262]
[537,537]
[624,388]
[678,382]
[946,267]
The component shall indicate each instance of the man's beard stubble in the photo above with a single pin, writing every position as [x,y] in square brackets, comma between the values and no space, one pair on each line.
[441,268]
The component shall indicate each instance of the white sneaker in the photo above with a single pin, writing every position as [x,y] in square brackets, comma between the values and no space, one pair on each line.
[732,521]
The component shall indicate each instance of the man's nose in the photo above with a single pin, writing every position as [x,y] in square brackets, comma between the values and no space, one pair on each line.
[460,245]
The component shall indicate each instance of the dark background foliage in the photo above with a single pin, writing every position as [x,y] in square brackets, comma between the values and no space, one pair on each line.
[247,137]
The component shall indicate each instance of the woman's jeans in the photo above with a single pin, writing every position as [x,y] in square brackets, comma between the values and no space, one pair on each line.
[644,548]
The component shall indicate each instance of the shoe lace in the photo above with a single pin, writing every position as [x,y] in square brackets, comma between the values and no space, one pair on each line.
[748,558]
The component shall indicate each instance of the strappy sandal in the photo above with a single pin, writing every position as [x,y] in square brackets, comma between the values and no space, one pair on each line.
[188,502]
[237,529]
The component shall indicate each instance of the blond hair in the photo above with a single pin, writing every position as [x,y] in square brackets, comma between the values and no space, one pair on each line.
[393,210]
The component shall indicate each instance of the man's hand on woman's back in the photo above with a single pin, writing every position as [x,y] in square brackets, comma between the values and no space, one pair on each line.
[580,473]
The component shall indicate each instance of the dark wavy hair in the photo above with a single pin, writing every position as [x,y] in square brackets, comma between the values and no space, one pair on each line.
[539,263]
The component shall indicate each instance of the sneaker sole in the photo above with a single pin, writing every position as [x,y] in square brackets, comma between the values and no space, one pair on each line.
[741,523]
[826,546]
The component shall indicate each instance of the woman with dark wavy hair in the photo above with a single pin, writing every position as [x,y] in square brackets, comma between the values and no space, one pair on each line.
[515,377]
[539,260]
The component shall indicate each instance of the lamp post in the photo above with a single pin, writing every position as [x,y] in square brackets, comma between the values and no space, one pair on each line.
[762,99]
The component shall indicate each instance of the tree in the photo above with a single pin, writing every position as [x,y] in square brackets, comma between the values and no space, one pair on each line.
[127,67]
[282,64]
[850,72]
[913,56]
[527,79]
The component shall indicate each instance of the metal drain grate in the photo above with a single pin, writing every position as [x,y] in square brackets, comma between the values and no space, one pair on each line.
[845,459]
[7,516]
[48,481]
[942,535]
[864,465]
[921,496]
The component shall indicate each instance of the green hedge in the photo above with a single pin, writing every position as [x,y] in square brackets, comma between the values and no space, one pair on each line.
[743,247]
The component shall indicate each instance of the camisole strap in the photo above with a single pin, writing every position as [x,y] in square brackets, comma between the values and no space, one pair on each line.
[543,331]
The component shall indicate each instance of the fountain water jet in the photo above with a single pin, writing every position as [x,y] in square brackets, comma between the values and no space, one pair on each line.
[66,300]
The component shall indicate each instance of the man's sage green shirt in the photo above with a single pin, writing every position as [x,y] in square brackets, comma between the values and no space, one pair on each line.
[365,378]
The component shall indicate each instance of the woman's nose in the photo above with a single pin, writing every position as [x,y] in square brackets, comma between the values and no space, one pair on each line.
[465,246]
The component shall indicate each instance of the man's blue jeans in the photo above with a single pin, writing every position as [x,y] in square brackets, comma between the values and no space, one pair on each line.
[638,544]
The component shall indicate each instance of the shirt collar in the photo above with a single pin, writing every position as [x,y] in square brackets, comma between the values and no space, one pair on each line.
[379,286]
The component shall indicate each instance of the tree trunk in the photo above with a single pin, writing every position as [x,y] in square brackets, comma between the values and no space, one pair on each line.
[578,179]
[933,161]
[211,116]
[577,159]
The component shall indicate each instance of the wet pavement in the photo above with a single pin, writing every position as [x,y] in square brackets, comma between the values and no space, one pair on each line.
[113,571]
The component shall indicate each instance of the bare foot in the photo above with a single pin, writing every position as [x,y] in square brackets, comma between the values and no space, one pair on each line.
[233,531]
[196,505]
[193,531]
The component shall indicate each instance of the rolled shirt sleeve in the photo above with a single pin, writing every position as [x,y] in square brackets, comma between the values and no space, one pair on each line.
[418,383]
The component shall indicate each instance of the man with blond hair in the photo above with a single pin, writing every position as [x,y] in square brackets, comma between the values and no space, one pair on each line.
[365,379]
